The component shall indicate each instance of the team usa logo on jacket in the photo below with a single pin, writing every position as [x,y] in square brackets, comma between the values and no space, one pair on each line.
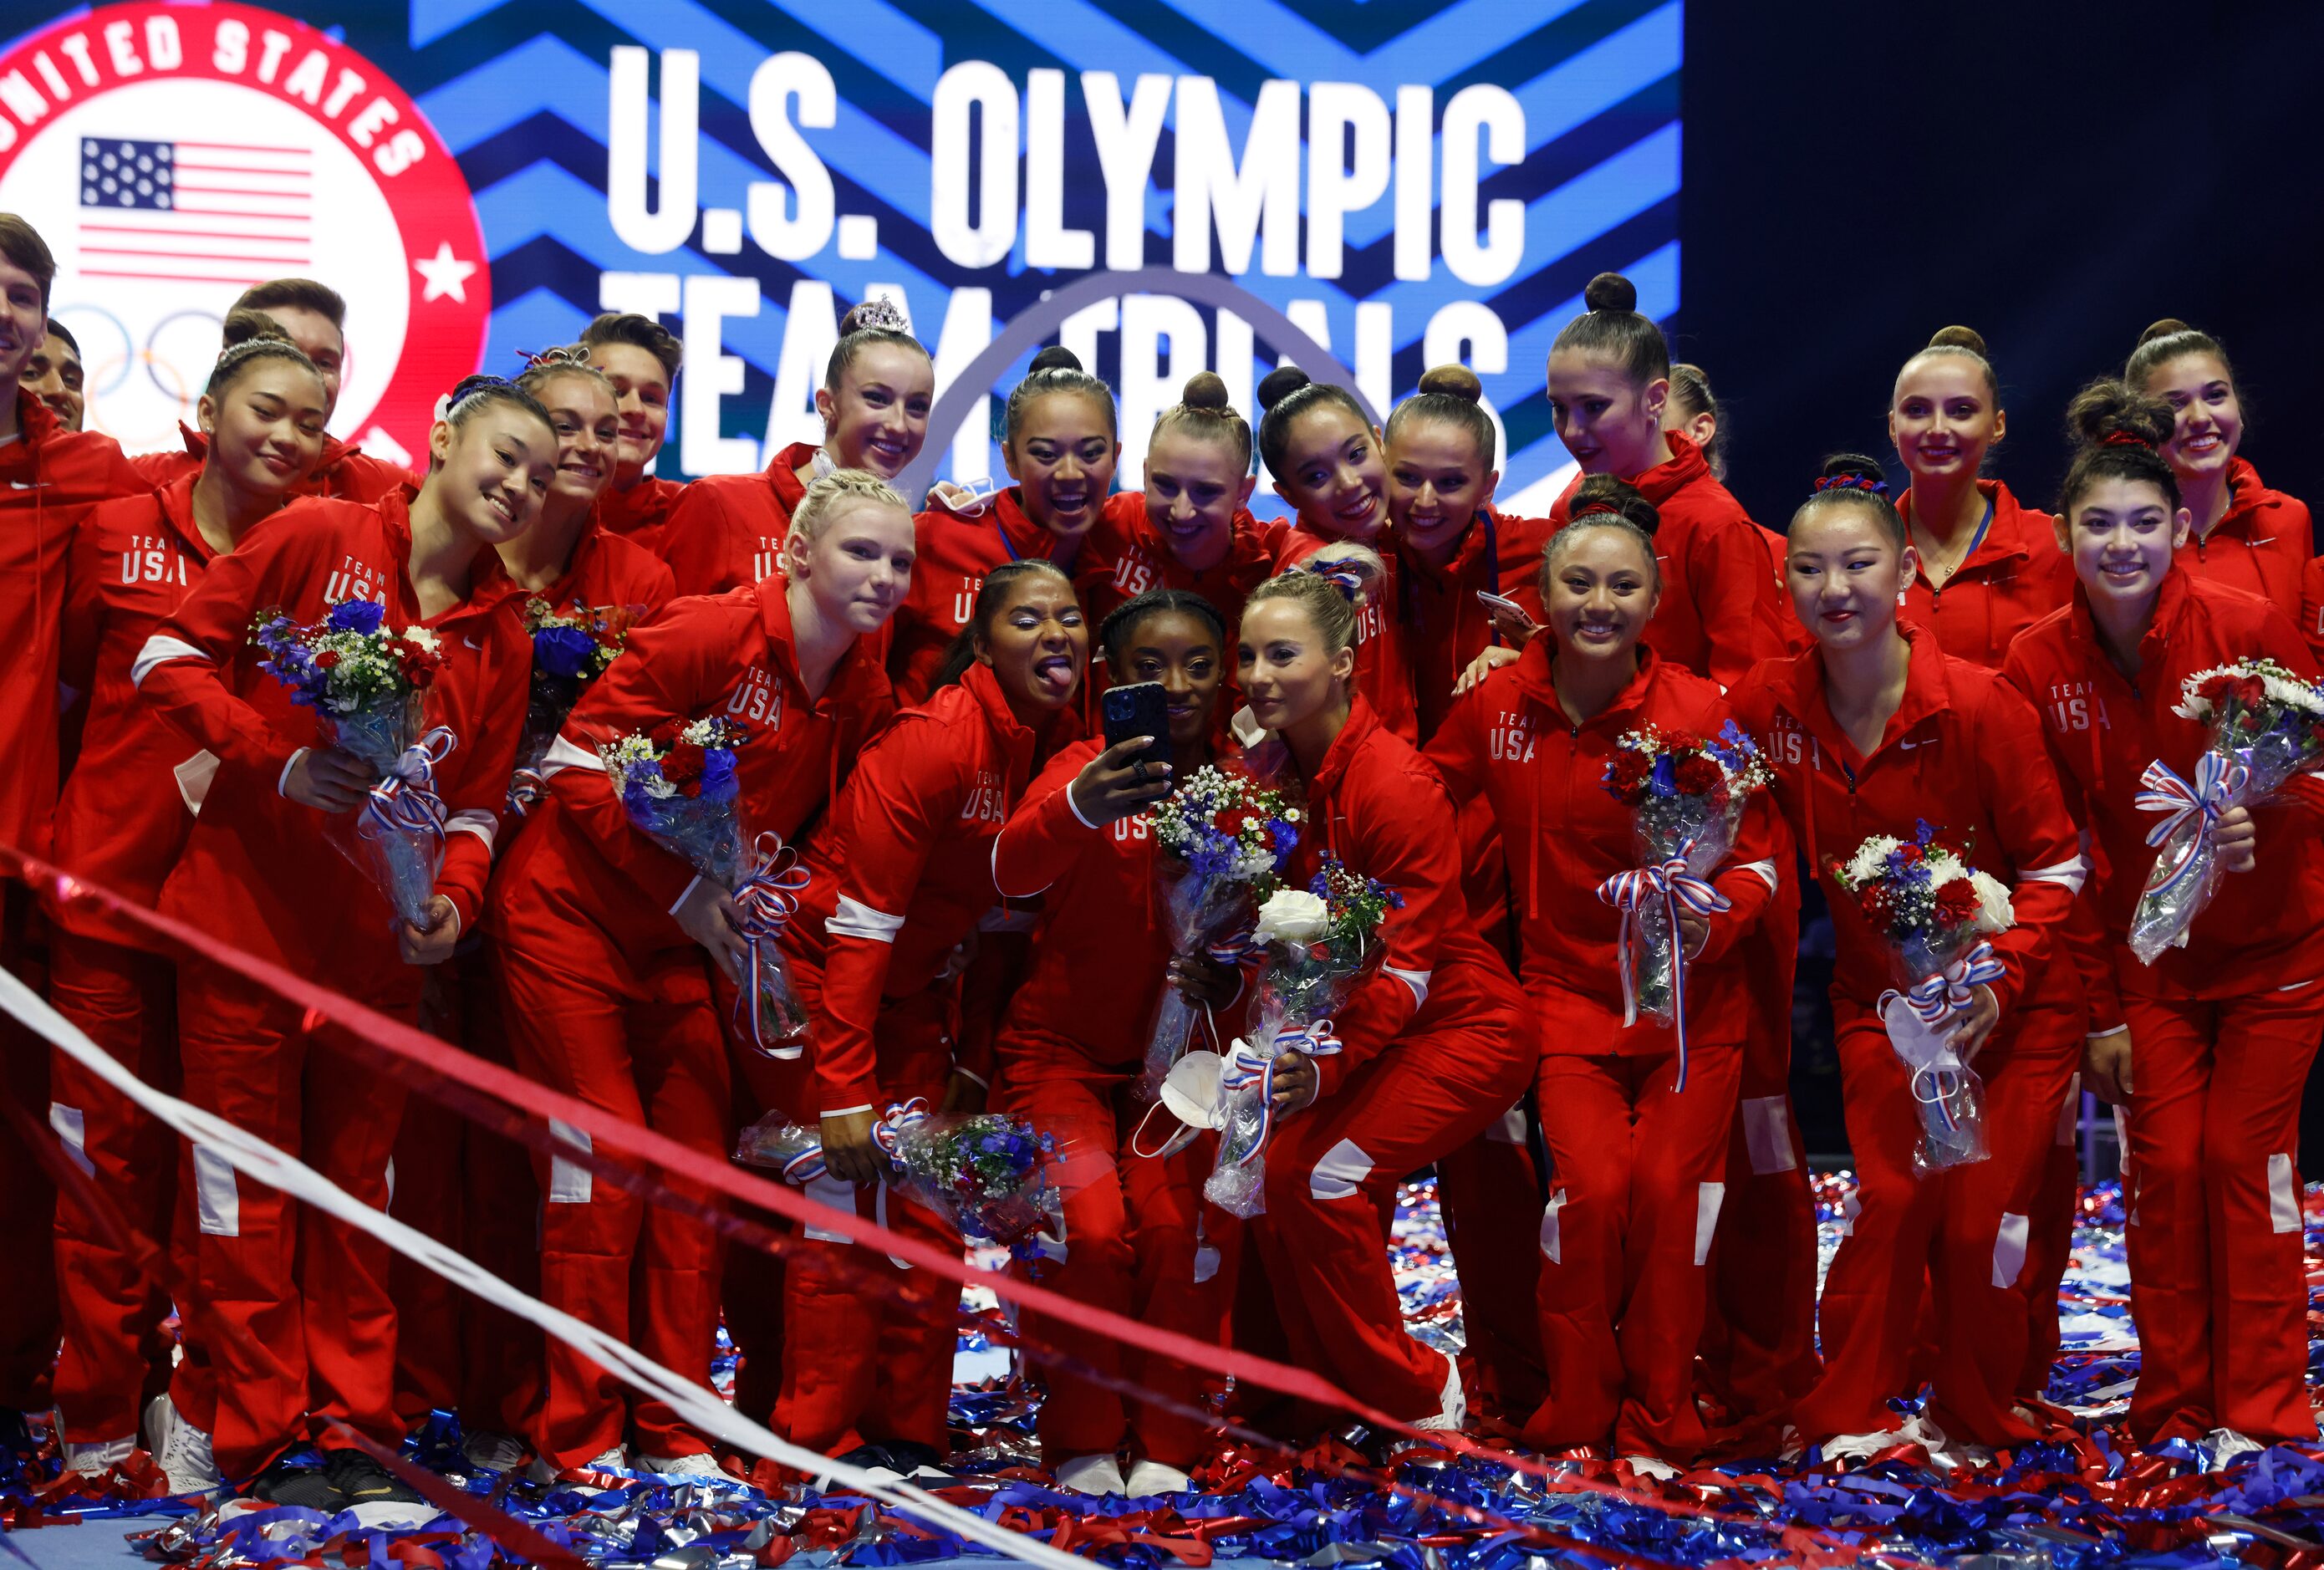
[986,801]
[174,155]
[757,701]
[2075,705]
[1510,739]
[1788,742]
[152,558]
[355,580]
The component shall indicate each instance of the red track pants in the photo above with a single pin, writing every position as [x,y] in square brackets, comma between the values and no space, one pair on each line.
[1140,1241]
[1492,1202]
[1332,1172]
[2049,1244]
[115,1348]
[28,1307]
[290,1318]
[1633,1205]
[1964,1231]
[473,1189]
[2214,1230]
[634,1035]
[867,1342]
[1758,1341]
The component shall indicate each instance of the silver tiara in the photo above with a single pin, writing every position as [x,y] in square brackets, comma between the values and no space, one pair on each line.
[879,311]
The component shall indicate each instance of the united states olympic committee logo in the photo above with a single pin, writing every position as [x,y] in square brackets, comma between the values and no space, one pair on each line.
[174,155]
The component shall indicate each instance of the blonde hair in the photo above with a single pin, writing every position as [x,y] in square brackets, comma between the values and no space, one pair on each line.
[1326,603]
[837,489]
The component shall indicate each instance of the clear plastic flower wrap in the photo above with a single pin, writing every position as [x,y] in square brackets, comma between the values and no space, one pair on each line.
[2266,726]
[1224,835]
[367,685]
[679,786]
[570,650]
[1935,911]
[1321,942]
[1686,794]
[986,1173]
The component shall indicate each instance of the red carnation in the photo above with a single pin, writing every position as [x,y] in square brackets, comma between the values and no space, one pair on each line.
[2250,691]
[421,677]
[1878,903]
[1908,853]
[1681,742]
[1232,820]
[1628,776]
[327,659]
[682,765]
[1957,903]
[1699,774]
[2215,691]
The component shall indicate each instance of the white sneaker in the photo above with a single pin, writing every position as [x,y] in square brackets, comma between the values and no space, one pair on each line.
[1453,1409]
[1092,1475]
[544,1470]
[488,1451]
[1149,1478]
[2225,1444]
[99,1456]
[701,1464]
[180,1449]
[1653,1467]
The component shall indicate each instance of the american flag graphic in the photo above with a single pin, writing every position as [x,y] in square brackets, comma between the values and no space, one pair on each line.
[194,212]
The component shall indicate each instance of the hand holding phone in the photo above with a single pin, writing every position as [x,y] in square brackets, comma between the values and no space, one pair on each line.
[1133,772]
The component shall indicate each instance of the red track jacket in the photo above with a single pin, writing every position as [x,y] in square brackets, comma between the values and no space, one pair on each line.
[903,873]
[1444,626]
[1123,558]
[257,867]
[1509,742]
[727,655]
[1380,806]
[1720,612]
[955,550]
[2265,928]
[726,530]
[2015,576]
[1962,752]
[1383,657]
[50,478]
[2262,544]
[640,513]
[346,473]
[2312,604]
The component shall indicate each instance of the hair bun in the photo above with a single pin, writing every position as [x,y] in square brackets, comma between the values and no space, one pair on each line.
[1610,291]
[1204,390]
[1608,493]
[477,383]
[1960,337]
[1280,384]
[1454,380]
[1852,471]
[2108,410]
[2164,328]
[1056,358]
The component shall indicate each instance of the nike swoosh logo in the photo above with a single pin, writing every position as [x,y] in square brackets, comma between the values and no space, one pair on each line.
[471,644]
[28,485]
[2261,540]
[1908,746]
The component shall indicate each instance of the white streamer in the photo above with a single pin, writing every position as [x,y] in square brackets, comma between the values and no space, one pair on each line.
[696,1403]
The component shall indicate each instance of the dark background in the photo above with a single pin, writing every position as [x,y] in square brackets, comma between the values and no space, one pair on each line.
[2054,176]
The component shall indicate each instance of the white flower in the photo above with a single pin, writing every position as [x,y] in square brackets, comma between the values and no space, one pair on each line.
[1292,916]
[1994,911]
[420,636]
[1943,868]
[2293,693]
[1871,859]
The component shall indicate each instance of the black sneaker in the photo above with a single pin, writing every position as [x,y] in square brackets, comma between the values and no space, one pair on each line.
[360,1480]
[308,1487]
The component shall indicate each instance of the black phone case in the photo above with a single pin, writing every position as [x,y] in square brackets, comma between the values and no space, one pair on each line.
[1140,708]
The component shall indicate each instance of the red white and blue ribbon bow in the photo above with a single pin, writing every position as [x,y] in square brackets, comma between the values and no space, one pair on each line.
[1349,576]
[768,897]
[526,788]
[1678,887]
[1244,1068]
[1938,998]
[886,1134]
[2219,779]
[405,801]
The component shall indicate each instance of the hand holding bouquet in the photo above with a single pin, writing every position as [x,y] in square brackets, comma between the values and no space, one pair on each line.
[2266,724]
[678,787]
[1322,940]
[1225,836]
[1934,909]
[986,1173]
[570,650]
[366,683]
[1687,795]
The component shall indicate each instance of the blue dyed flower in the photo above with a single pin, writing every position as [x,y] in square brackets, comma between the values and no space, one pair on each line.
[717,773]
[1664,779]
[356,616]
[564,650]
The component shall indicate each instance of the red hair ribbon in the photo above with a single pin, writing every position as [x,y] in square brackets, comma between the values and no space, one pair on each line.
[2124,439]
[1864,482]
[1588,509]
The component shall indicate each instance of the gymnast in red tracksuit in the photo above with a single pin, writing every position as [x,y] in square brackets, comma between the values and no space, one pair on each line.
[1191,528]
[1631,1217]
[1062,441]
[1139,1240]
[2245,535]
[598,932]
[1435,1045]
[639,358]
[121,822]
[727,530]
[2215,1038]
[1872,732]
[290,1324]
[904,871]
[1989,569]
[453,1353]
[1326,460]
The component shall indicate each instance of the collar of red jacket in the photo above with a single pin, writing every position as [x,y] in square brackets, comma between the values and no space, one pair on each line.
[2247,494]
[489,582]
[1926,691]
[1361,723]
[1483,531]
[783,473]
[176,502]
[586,546]
[621,511]
[982,685]
[2005,540]
[35,421]
[2169,608]
[1660,484]
[1534,674]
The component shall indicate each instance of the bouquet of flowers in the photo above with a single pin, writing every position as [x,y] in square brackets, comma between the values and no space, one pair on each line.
[1686,794]
[677,785]
[570,650]
[1320,941]
[2266,724]
[1225,836]
[986,1173]
[1934,909]
[367,684]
